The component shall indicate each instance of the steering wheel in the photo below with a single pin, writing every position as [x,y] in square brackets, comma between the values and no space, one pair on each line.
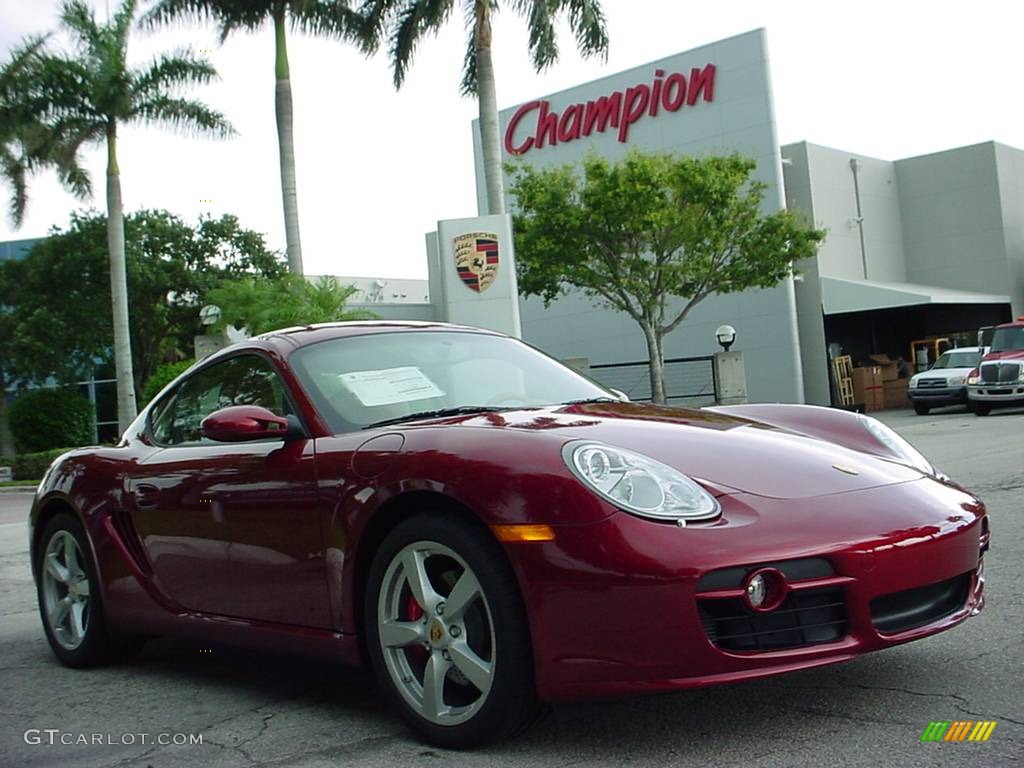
[516,398]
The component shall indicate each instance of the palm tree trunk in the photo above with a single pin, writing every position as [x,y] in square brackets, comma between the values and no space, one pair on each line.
[126,409]
[490,142]
[286,145]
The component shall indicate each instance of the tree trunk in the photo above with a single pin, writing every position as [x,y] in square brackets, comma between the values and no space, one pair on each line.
[126,409]
[657,364]
[490,141]
[286,147]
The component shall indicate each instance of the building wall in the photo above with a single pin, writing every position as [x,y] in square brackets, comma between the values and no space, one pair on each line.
[954,234]
[739,119]
[1010,171]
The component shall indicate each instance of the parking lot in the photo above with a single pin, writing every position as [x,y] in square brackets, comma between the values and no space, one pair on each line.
[262,710]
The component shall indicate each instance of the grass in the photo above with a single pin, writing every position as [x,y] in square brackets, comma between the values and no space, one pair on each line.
[16,483]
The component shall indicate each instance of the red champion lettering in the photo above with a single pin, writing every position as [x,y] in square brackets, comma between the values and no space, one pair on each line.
[669,92]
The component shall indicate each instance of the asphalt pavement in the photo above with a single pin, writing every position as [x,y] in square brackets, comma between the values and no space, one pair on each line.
[252,709]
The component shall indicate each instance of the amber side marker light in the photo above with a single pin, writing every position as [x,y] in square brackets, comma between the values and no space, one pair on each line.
[524,532]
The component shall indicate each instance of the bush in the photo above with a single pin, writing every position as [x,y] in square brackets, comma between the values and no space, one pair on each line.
[43,419]
[163,376]
[32,466]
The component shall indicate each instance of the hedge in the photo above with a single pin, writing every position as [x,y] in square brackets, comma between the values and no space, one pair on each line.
[163,376]
[44,419]
[31,466]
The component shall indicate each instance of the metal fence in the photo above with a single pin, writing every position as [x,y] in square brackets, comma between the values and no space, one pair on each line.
[688,380]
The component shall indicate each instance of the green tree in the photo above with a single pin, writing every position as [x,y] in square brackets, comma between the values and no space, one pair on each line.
[28,141]
[261,304]
[405,22]
[92,93]
[317,17]
[56,296]
[639,234]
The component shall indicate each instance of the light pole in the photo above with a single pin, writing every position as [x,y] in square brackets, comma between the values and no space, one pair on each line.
[730,374]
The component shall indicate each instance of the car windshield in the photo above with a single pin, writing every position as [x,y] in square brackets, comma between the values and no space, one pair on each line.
[958,360]
[358,381]
[1008,338]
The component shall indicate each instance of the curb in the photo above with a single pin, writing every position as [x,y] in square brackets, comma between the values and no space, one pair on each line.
[30,488]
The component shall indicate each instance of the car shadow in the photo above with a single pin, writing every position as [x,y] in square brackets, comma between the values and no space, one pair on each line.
[716,725]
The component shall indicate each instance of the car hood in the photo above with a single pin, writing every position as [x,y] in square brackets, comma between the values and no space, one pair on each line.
[724,452]
[941,373]
[1005,354]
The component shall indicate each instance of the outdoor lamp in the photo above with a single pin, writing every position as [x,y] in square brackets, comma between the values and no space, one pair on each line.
[726,335]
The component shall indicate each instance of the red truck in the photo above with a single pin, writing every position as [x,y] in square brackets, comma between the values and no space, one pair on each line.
[998,381]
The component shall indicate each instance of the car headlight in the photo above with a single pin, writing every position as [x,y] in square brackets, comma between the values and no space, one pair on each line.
[913,383]
[974,377]
[891,440]
[639,484]
[955,381]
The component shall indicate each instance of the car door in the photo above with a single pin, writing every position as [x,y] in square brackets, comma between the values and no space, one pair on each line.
[231,528]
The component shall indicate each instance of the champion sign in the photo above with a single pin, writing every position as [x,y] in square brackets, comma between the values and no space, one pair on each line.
[619,110]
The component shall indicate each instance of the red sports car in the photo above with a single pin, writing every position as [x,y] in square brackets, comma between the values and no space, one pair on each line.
[490,530]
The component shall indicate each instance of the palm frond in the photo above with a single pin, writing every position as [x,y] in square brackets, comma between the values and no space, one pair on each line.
[543,42]
[413,19]
[15,170]
[469,83]
[184,116]
[587,21]
[335,18]
[173,70]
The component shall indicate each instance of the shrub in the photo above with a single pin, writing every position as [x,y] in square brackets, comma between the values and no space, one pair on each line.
[163,376]
[43,419]
[32,466]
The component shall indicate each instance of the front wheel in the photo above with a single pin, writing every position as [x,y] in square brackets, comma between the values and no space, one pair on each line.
[447,633]
[981,409]
[70,604]
[921,409]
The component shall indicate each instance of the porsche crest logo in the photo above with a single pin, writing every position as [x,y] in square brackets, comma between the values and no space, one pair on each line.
[476,259]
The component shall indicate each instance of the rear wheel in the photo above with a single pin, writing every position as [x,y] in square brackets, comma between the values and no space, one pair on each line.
[70,604]
[921,409]
[981,409]
[447,633]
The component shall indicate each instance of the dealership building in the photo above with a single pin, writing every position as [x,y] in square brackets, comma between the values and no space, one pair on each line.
[918,247]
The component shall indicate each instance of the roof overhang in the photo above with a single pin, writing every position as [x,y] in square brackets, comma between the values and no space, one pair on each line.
[839,295]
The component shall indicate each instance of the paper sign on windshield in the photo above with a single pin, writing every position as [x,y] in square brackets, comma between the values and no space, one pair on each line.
[390,385]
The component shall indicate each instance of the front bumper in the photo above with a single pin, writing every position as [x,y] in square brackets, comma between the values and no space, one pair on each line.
[619,607]
[938,395]
[1008,393]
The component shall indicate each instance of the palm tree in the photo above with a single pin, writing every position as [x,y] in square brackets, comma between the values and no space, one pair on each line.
[92,92]
[318,17]
[27,141]
[406,21]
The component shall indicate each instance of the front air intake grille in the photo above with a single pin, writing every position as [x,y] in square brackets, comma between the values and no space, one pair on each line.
[990,373]
[805,617]
[917,607]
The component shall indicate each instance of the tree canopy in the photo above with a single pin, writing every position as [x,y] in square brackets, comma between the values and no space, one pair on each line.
[640,234]
[260,304]
[57,317]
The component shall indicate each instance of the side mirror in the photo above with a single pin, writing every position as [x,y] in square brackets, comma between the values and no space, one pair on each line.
[619,394]
[240,423]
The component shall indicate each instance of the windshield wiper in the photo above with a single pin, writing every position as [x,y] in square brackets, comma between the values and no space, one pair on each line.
[586,400]
[438,413]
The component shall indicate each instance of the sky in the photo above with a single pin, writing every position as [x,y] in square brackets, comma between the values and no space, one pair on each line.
[377,168]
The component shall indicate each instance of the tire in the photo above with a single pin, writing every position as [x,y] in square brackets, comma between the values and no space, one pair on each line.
[921,409]
[981,409]
[70,604]
[480,649]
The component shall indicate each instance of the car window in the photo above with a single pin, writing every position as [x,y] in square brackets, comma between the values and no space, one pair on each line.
[241,380]
[1008,338]
[362,380]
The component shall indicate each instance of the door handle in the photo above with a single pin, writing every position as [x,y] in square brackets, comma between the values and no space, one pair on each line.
[146,496]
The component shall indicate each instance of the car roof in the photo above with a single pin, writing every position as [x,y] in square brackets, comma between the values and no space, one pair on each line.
[965,349]
[286,340]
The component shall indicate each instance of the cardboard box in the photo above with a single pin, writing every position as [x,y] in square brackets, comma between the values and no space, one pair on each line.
[894,394]
[867,387]
[889,367]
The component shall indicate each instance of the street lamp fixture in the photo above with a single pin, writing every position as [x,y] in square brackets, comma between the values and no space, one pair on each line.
[725,335]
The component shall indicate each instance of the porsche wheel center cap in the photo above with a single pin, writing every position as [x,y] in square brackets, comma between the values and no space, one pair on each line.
[437,632]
